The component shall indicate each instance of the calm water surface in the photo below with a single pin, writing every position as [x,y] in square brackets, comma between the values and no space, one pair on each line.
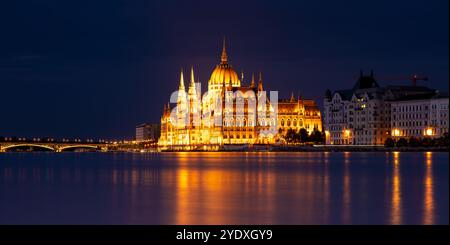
[224,188]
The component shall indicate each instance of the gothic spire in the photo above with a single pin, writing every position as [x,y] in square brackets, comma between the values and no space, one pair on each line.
[192,77]
[224,57]
[252,84]
[260,83]
[181,81]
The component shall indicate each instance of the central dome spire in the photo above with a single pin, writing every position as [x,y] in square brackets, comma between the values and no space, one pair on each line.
[223,74]
[224,57]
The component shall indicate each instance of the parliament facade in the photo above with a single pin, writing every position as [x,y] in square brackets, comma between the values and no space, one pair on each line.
[231,113]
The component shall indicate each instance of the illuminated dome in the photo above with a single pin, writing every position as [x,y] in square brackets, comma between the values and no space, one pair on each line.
[223,73]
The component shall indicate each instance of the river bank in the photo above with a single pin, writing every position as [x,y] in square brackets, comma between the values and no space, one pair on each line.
[361,149]
[319,148]
[268,148]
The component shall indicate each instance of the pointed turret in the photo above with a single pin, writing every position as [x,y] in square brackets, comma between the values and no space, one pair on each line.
[193,103]
[166,110]
[292,97]
[192,92]
[224,57]
[181,88]
[181,91]
[181,103]
[192,84]
[192,75]
[252,84]
[260,83]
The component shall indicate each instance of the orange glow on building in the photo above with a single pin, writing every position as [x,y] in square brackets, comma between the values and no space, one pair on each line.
[230,113]
[396,132]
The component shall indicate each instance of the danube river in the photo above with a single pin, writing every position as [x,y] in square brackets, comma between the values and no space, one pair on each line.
[224,188]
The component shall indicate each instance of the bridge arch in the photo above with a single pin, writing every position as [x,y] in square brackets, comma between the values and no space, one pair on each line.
[64,148]
[8,147]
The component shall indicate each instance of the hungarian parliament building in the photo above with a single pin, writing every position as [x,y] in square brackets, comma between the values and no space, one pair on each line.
[231,113]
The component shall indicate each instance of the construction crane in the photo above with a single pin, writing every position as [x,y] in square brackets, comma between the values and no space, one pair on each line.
[413,79]
[416,78]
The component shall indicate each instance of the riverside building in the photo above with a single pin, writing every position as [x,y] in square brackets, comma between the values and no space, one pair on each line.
[368,114]
[419,116]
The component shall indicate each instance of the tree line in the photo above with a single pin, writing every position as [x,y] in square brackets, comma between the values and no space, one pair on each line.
[442,141]
[301,136]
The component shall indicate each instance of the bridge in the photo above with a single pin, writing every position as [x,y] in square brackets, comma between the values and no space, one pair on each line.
[52,146]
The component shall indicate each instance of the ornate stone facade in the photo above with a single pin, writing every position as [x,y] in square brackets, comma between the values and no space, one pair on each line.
[230,113]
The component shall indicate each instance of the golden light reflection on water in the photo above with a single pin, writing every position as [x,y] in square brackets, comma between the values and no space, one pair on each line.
[396,199]
[429,194]
[326,187]
[205,194]
[346,212]
[244,188]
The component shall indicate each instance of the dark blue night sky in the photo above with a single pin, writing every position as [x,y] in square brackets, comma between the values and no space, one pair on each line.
[98,68]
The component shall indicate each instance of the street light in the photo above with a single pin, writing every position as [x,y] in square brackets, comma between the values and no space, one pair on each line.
[347,133]
[429,132]
[396,132]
